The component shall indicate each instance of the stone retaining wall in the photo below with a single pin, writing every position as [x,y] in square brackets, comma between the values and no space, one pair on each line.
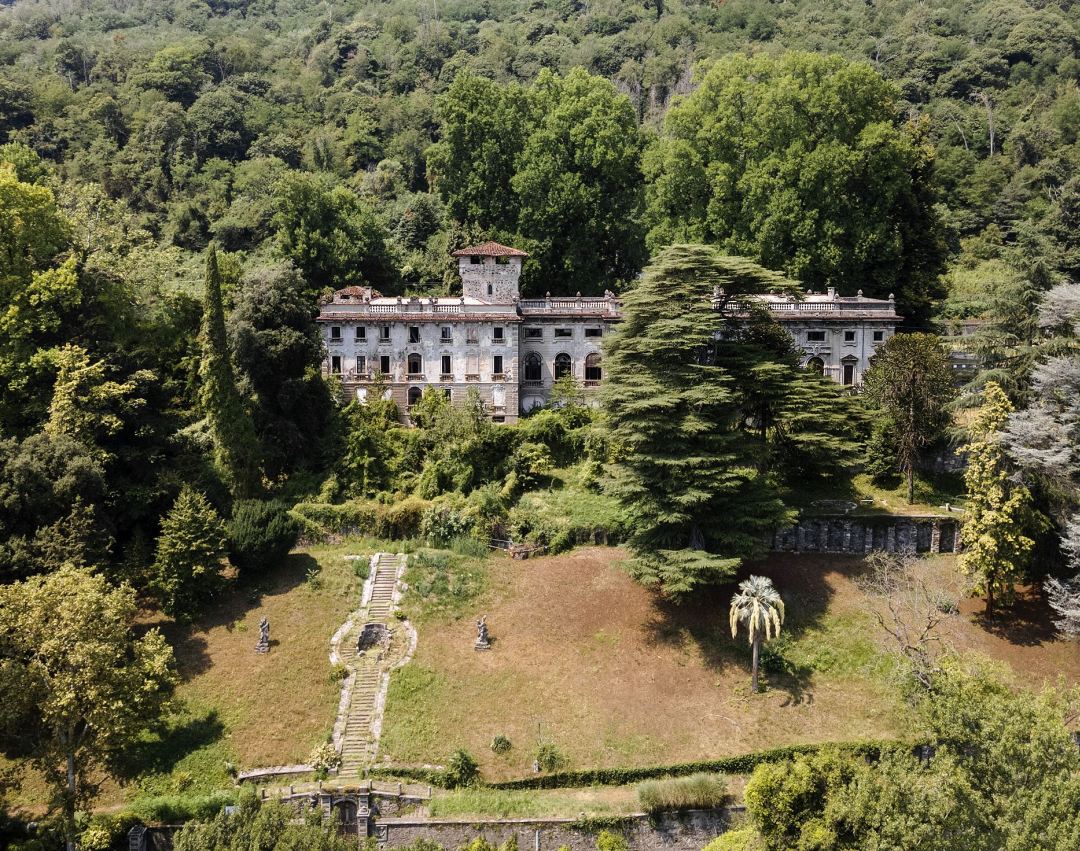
[689,831]
[892,533]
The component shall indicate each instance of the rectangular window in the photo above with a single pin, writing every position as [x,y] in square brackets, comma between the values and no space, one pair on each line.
[384,364]
[361,333]
[497,333]
[474,260]
[534,333]
[470,335]
[815,336]
[564,332]
[496,364]
[849,336]
[594,332]
[335,364]
[361,365]
[444,334]
[879,336]
[335,332]
[414,333]
[384,332]
[446,364]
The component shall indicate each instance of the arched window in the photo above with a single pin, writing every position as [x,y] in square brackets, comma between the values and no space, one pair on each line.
[534,367]
[563,365]
[817,365]
[414,395]
[416,364]
[593,373]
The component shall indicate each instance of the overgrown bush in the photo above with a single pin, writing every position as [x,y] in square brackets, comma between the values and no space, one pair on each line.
[696,792]
[397,521]
[500,744]
[173,809]
[607,840]
[461,769]
[549,758]
[443,521]
[261,533]
[324,759]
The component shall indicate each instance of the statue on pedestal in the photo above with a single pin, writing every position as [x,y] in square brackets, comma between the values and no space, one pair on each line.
[264,637]
[483,642]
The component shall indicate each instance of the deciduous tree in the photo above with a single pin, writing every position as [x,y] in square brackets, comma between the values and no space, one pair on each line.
[910,384]
[76,687]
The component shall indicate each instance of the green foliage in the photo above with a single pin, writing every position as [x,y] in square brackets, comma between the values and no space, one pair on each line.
[500,744]
[188,560]
[910,385]
[271,825]
[260,534]
[461,769]
[555,167]
[549,758]
[235,443]
[607,840]
[693,792]
[693,481]
[76,687]
[996,780]
[995,533]
[802,162]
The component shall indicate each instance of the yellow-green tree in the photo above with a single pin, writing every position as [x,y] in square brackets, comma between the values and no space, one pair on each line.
[76,687]
[999,512]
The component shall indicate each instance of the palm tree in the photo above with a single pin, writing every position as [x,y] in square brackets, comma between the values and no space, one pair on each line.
[758,605]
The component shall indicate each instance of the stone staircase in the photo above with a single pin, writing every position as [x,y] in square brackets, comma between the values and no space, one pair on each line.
[358,743]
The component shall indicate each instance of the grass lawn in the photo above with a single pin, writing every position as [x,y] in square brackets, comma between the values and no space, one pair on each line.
[234,705]
[932,492]
[588,661]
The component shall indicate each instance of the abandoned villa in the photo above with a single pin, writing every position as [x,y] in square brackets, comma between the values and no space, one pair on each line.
[511,350]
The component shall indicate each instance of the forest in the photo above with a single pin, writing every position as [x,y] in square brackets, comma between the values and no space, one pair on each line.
[181,183]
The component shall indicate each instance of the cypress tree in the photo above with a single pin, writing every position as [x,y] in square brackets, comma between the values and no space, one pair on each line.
[693,478]
[236,449]
[999,512]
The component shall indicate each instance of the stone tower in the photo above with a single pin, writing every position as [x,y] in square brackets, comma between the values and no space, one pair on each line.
[490,272]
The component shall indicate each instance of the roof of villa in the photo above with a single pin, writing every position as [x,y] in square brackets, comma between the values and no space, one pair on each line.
[489,249]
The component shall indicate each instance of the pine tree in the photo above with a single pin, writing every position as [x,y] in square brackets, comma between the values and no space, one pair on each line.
[996,548]
[692,478]
[190,549]
[236,447]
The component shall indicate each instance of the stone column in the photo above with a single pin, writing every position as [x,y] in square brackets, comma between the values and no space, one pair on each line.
[935,537]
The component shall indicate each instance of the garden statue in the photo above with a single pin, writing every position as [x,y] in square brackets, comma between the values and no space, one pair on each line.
[264,637]
[482,640]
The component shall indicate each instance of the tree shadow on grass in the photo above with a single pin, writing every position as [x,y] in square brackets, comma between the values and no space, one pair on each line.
[1028,622]
[703,618]
[159,749]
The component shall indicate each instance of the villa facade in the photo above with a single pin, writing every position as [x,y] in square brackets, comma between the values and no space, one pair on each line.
[511,350]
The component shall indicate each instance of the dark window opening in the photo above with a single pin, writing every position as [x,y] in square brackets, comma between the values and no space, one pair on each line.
[446,364]
[445,334]
[592,368]
[563,365]
[534,333]
[594,332]
[361,332]
[849,336]
[335,332]
[335,364]
[496,364]
[534,367]
[815,336]
[414,395]
[414,334]
[384,332]
[496,333]
[879,336]
[416,364]
[384,364]
[564,332]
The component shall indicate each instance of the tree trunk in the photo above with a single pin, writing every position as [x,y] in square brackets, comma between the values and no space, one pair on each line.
[69,804]
[911,485]
[757,654]
[989,598]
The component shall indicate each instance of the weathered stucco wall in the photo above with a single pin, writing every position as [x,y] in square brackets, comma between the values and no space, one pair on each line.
[668,832]
[891,533]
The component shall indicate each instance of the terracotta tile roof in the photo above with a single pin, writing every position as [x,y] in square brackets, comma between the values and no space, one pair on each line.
[357,292]
[489,249]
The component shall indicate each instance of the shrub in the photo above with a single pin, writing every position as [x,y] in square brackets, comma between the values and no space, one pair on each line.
[338,673]
[549,758]
[324,759]
[173,809]
[442,522]
[187,564]
[260,534]
[461,770]
[608,840]
[531,462]
[696,792]
[743,839]
[500,744]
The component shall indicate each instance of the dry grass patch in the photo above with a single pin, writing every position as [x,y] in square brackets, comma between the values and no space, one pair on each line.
[695,792]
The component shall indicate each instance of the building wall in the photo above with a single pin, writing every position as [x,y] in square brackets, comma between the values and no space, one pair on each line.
[578,346]
[836,349]
[490,279]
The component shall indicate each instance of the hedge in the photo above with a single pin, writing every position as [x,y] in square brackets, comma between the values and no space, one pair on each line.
[742,764]
[393,522]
